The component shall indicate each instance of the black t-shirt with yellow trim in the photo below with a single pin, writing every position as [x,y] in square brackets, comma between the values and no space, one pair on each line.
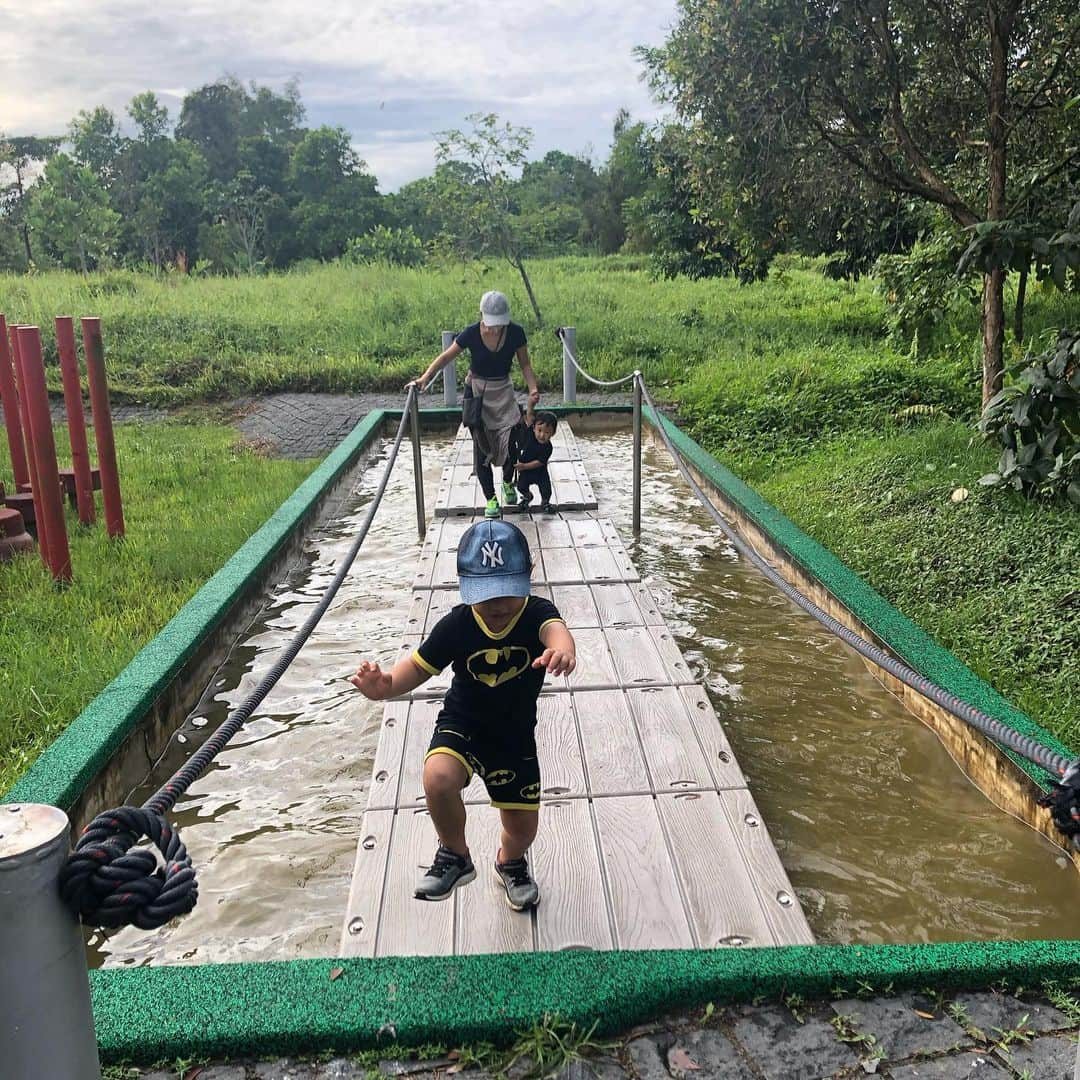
[494,680]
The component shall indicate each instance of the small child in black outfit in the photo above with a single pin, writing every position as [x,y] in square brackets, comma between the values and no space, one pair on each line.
[533,454]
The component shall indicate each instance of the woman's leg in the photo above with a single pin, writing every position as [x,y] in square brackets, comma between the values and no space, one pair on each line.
[483,471]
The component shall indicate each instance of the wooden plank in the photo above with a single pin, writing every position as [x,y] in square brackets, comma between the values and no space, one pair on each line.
[407,926]
[676,760]
[587,532]
[599,564]
[562,771]
[386,769]
[636,659]
[641,880]
[416,620]
[567,495]
[647,605]
[361,924]
[444,571]
[573,911]
[778,901]
[560,471]
[616,606]
[711,737]
[613,759]
[553,532]
[595,669]
[561,566]
[576,606]
[422,716]
[724,905]
[677,667]
[485,923]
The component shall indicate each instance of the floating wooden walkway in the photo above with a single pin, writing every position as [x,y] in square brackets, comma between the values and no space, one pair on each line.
[649,837]
[460,494]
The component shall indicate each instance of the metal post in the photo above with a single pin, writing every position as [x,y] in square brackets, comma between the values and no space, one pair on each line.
[103,429]
[12,421]
[418,464]
[637,454]
[46,1025]
[76,418]
[569,372]
[449,373]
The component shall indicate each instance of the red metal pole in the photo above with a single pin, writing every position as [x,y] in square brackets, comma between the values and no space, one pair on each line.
[51,498]
[103,430]
[40,524]
[10,398]
[76,418]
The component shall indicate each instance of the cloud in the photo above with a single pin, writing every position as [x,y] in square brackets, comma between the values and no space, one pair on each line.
[391,73]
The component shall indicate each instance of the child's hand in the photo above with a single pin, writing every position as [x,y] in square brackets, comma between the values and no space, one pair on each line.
[372,681]
[557,661]
[534,397]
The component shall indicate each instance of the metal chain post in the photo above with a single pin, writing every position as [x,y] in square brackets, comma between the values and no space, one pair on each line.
[449,373]
[418,463]
[636,522]
[569,372]
[46,1024]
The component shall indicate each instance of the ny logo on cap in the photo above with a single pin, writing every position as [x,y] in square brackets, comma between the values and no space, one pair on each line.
[491,554]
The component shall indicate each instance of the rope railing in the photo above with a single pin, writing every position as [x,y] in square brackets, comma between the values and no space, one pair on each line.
[582,372]
[109,881]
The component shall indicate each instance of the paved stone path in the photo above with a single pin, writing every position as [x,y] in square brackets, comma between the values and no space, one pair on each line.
[907,1037]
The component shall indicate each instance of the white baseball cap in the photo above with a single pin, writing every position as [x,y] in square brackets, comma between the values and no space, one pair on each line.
[494,309]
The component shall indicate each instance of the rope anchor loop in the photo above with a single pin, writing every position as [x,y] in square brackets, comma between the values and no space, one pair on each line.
[109,882]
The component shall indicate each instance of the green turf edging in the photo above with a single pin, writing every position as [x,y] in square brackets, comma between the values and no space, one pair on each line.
[294,1007]
[902,636]
[65,768]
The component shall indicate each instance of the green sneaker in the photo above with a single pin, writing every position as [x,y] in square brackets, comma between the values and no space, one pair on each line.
[510,495]
[492,509]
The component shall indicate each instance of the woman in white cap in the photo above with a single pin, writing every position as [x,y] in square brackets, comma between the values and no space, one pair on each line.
[493,342]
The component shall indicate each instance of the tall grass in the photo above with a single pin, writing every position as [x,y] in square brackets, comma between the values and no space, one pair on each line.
[192,495]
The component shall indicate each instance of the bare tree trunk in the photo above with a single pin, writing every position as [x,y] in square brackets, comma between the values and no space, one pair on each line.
[519,264]
[1018,314]
[1002,16]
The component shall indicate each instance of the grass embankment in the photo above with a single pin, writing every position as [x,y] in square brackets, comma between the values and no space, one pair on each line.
[192,496]
[793,382]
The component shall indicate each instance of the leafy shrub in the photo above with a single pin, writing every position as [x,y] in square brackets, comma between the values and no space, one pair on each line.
[398,247]
[1037,422]
[922,287]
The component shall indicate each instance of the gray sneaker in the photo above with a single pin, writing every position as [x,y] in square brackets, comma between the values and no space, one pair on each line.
[521,890]
[445,874]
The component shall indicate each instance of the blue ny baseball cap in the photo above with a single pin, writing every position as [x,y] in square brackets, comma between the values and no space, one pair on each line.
[493,560]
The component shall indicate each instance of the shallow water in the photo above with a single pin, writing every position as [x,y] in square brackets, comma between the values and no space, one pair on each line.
[883,837]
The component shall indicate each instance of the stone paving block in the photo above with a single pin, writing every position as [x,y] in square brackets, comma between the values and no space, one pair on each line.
[784,1049]
[899,1030]
[224,1072]
[341,1069]
[994,1013]
[284,1070]
[647,1057]
[593,1068]
[949,1068]
[713,1053]
[1051,1057]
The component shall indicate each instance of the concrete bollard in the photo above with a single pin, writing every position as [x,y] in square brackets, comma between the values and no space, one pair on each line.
[449,373]
[46,1025]
[569,372]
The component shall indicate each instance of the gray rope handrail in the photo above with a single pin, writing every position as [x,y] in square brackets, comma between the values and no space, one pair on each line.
[109,884]
[582,372]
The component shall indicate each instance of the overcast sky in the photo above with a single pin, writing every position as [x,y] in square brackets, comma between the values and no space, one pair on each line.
[392,72]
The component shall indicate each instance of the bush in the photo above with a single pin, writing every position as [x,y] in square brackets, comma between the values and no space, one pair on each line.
[1037,422]
[397,247]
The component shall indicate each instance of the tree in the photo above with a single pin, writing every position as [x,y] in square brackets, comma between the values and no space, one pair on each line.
[23,155]
[70,211]
[150,116]
[923,98]
[210,118]
[487,217]
[96,142]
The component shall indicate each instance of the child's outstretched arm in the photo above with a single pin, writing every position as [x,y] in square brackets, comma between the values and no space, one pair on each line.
[560,653]
[376,684]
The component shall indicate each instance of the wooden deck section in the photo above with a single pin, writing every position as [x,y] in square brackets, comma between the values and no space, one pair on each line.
[649,837]
[460,494]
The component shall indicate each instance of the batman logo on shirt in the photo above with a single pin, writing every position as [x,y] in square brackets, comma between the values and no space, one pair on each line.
[493,667]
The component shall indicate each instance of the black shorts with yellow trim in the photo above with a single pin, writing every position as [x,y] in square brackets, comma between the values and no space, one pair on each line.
[510,769]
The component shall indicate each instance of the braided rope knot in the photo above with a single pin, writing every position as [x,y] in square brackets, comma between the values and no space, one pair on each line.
[1063,799]
[109,882]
